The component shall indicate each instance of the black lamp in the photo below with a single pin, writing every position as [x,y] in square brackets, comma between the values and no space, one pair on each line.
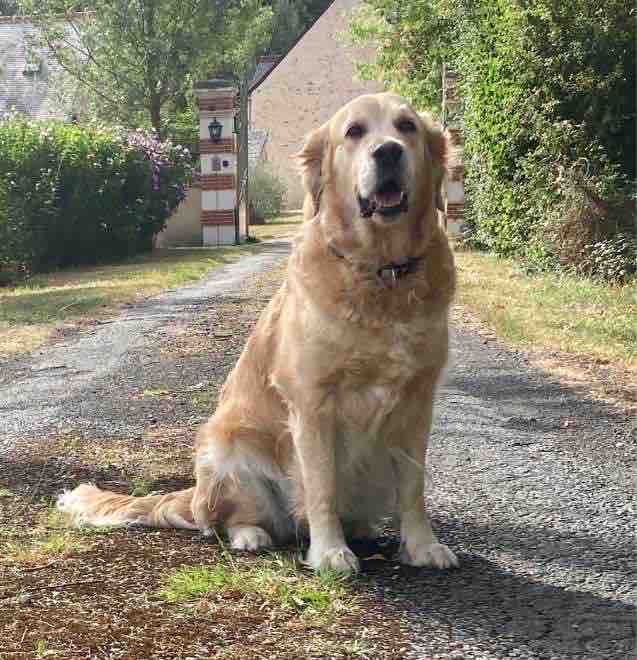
[215,128]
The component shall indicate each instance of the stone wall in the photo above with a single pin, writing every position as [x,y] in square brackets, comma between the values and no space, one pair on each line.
[307,87]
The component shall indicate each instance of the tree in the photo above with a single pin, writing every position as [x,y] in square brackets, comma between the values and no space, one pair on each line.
[291,19]
[134,58]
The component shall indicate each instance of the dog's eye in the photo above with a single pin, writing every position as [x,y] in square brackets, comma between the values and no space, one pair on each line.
[406,126]
[355,131]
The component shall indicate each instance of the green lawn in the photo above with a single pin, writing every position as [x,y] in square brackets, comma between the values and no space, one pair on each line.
[283,227]
[566,313]
[31,312]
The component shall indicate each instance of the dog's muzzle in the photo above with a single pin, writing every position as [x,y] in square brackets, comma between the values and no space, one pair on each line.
[389,198]
[388,201]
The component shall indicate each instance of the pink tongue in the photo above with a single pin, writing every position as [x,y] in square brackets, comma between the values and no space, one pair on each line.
[389,198]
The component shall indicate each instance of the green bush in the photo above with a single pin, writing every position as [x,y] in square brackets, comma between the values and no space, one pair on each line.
[267,192]
[549,159]
[72,195]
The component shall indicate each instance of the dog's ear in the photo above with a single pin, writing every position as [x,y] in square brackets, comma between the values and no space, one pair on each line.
[438,146]
[310,160]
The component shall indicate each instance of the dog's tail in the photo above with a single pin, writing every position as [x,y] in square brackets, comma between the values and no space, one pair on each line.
[89,505]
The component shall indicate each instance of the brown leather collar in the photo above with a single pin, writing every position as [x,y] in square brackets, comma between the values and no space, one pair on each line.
[389,274]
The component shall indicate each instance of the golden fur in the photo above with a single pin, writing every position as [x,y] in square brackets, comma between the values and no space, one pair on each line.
[322,424]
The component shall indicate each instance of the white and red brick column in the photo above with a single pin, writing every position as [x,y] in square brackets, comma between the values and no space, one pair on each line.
[216,101]
[454,184]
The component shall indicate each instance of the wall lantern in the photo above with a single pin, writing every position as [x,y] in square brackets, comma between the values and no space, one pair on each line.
[237,124]
[215,128]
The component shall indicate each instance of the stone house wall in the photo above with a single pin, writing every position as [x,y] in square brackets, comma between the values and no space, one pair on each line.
[304,90]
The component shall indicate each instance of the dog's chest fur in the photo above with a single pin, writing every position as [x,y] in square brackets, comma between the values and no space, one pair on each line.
[375,390]
[379,365]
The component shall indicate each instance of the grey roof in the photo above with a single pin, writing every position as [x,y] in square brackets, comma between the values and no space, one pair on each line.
[256,144]
[262,69]
[28,92]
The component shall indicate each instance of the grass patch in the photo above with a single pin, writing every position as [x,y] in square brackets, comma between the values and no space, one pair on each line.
[5,492]
[286,218]
[141,487]
[276,580]
[156,392]
[204,399]
[277,228]
[566,313]
[33,551]
[40,649]
[30,312]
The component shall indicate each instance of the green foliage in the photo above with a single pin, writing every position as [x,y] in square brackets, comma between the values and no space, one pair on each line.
[180,120]
[9,8]
[532,80]
[267,191]
[613,259]
[548,90]
[133,60]
[413,39]
[291,19]
[274,579]
[71,195]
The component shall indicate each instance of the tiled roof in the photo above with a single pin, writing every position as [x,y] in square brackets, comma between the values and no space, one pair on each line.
[24,86]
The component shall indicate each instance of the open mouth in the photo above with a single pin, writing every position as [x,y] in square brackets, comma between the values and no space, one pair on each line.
[388,200]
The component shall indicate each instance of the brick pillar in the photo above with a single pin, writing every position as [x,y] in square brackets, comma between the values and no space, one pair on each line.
[216,101]
[454,185]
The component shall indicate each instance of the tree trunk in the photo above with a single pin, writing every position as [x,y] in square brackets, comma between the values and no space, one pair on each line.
[155,115]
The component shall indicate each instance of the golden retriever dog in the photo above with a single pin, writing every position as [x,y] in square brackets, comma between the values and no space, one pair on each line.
[322,425]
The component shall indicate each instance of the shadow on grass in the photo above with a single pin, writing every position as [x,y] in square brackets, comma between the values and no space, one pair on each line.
[41,301]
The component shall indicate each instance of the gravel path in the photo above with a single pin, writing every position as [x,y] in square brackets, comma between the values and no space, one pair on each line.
[534,485]
[59,387]
[533,482]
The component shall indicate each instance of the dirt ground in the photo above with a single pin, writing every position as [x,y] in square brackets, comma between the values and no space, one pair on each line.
[532,483]
[93,593]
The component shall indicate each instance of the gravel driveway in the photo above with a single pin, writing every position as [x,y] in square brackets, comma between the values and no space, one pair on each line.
[533,483]
[58,387]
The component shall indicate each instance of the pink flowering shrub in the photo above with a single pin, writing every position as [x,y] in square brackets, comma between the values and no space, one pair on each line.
[72,194]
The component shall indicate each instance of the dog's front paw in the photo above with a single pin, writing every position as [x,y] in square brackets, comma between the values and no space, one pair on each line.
[339,558]
[248,537]
[433,555]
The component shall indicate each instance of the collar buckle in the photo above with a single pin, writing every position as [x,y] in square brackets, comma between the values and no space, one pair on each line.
[391,273]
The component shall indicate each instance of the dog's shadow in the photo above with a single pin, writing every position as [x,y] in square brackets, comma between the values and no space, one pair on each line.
[496,609]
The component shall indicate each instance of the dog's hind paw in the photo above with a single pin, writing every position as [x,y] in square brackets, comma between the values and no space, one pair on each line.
[340,559]
[248,537]
[433,555]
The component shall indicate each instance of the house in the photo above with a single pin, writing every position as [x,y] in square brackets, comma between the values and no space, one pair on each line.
[27,73]
[305,88]
[288,97]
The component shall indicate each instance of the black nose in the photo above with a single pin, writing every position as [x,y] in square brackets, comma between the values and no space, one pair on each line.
[388,154]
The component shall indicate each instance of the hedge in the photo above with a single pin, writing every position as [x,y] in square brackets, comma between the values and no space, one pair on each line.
[73,195]
[267,191]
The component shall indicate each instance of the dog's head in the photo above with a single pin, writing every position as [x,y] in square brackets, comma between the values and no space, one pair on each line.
[377,159]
